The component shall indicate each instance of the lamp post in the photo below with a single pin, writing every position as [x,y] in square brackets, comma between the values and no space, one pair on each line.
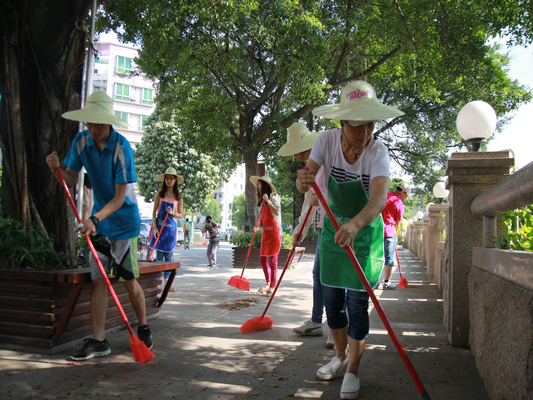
[440,192]
[476,122]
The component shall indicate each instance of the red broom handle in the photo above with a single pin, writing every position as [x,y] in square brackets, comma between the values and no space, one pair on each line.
[158,236]
[95,255]
[289,260]
[369,290]
[253,237]
[398,261]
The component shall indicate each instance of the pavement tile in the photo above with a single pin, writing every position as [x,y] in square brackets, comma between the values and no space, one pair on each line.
[201,353]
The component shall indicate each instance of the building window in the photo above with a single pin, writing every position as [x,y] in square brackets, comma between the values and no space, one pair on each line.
[123,115]
[148,96]
[124,65]
[122,92]
[143,120]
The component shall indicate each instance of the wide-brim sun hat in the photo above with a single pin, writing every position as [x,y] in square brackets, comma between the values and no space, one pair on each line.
[254,179]
[358,103]
[97,110]
[170,171]
[299,139]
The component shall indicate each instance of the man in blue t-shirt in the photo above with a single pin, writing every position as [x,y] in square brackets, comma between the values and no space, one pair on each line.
[114,223]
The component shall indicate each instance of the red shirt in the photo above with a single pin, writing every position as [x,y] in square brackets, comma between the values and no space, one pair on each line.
[392,213]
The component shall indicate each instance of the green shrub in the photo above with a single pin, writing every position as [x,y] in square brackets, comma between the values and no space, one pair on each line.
[29,249]
[519,230]
[243,239]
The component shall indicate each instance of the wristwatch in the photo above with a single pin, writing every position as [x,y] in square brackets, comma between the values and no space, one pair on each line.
[95,220]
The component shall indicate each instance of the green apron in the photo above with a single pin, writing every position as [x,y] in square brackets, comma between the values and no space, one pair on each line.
[346,201]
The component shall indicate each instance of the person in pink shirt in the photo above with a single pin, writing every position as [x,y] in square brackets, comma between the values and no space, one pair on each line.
[392,215]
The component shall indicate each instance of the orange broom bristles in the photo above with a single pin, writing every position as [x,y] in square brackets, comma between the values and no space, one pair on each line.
[142,354]
[239,282]
[257,324]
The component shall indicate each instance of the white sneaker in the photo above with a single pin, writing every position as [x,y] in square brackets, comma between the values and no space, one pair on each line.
[388,285]
[309,328]
[350,386]
[330,344]
[332,369]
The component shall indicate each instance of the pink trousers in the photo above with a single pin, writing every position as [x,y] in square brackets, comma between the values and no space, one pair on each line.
[270,268]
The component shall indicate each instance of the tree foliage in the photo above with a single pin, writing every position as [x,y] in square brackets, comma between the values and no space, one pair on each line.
[237,211]
[240,72]
[213,209]
[163,145]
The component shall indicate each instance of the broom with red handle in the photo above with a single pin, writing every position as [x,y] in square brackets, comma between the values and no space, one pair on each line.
[141,353]
[158,236]
[262,323]
[241,282]
[375,301]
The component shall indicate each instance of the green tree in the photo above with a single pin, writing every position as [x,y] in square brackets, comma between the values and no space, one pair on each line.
[237,211]
[163,146]
[241,72]
[40,79]
[213,209]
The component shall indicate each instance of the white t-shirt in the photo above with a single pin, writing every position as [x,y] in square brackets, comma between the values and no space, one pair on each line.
[374,161]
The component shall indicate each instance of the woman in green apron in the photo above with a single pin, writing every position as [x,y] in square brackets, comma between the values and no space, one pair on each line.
[356,169]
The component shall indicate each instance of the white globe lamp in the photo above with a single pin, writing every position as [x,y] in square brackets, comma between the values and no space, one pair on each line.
[476,122]
[439,191]
[419,215]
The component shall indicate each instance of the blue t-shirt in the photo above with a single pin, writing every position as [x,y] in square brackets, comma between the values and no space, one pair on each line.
[113,166]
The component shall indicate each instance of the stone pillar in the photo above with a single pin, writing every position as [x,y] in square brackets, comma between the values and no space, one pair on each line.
[469,175]
[417,238]
[434,237]
[425,241]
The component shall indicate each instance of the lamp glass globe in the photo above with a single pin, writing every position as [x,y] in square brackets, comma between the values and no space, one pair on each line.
[439,190]
[419,215]
[476,119]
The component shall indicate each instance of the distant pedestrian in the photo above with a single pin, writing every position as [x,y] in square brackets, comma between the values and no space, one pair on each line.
[186,234]
[211,230]
[272,234]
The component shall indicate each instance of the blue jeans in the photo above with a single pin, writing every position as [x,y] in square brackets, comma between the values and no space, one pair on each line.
[164,256]
[356,304]
[389,250]
[318,295]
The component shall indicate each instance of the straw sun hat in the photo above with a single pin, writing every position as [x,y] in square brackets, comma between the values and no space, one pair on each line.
[170,171]
[358,104]
[97,110]
[299,139]
[265,178]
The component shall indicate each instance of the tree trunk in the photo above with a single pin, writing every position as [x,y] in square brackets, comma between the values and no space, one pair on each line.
[42,53]
[251,210]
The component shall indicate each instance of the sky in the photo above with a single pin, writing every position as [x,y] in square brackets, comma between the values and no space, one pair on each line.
[518,134]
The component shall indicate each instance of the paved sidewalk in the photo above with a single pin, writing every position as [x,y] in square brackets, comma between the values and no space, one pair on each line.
[201,353]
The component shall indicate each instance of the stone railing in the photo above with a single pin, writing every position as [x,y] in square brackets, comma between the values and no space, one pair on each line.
[487,293]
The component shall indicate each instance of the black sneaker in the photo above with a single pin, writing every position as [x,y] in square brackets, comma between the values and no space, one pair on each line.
[92,348]
[145,335]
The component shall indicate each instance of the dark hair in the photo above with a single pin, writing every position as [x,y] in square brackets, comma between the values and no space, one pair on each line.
[175,189]
[265,189]
[208,218]
[186,219]
[399,189]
